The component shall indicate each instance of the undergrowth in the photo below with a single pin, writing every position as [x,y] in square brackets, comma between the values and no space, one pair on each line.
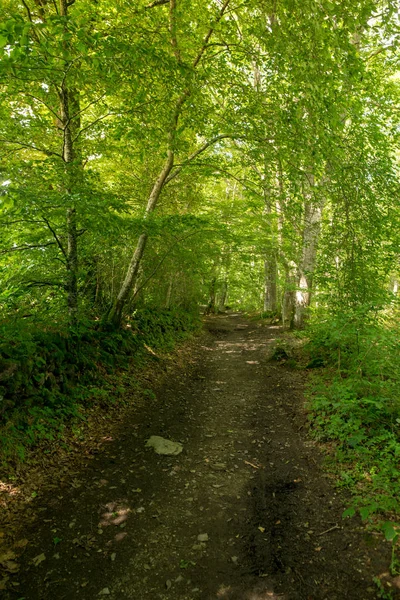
[355,408]
[47,377]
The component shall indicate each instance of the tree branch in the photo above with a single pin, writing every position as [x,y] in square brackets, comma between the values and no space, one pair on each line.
[197,153]
[27,247]
[172,30]
[209,34]
[32,147]
[91,125]
[157,3]
[146,281]
[41,101]
[58,241]
[45,283]
[82,110]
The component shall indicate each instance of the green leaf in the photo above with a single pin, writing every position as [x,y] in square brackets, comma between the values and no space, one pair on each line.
[390,531]
[349,512]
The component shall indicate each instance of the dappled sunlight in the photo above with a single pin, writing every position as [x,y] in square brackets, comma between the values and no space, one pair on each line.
[244,345]
[9,490]
[228,592]
[390,581]
[115,514]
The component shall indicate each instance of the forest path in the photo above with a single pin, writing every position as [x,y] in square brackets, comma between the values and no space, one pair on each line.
[247,483]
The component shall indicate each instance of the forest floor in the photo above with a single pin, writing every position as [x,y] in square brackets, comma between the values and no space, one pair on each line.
[245,512]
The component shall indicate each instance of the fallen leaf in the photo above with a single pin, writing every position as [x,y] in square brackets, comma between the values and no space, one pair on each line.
[38,559]
[11,566]
[262,529]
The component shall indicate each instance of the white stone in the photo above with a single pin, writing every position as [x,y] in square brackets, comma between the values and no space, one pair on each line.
[163,446]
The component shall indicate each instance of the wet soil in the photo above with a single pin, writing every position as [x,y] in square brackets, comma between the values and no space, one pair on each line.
[244,512]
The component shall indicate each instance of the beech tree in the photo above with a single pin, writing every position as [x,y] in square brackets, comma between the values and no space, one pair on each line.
[274,126]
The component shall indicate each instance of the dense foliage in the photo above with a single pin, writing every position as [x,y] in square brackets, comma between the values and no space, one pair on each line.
[159,156]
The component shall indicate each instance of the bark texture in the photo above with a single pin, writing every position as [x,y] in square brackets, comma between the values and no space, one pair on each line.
[288,303]
[270,284]
[69,104]
[312,229]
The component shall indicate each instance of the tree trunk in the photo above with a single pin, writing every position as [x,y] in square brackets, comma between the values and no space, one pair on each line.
[68,126]
[223,295]
[394,285]
[115,315]
[129,281]
[169,292]
[288,303]
[312,229]
[211,302]
[72,266]
[270,284]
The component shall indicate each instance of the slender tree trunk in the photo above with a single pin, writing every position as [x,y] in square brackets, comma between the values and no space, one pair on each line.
[270,283]
[312,229]
[288,303]
[169,292]
[134,264]
[272,246]
[68,125]
[223,295]
[394,286]
[72,266]
[211,302]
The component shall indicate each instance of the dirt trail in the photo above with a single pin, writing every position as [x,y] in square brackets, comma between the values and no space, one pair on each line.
[247,482]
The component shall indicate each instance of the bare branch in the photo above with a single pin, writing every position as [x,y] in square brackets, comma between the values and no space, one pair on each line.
[28,11]
[82,110]
[163,259]
[27,247]
[91,125]
[7,223]
[45,284]
[32,147]
[58,241]
[197,153]
[209,34]
[41,101]
[379,51]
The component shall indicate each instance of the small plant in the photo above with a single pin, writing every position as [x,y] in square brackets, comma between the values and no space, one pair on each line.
[391,532]
[354,406]
[185,564]
[382,593]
